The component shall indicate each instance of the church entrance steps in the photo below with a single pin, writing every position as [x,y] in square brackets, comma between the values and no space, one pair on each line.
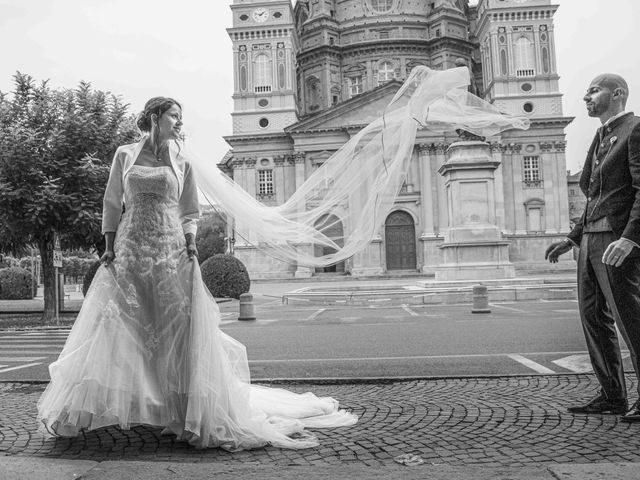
[428,292]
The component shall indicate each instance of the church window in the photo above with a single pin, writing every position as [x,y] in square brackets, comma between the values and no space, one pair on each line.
[263,78]
[355,85]
[263,122]
[265,182]
[526,87]
[524,56]
[263,102]
[386,72]
[531,171]
[528,107]
[313,93]
[381,6]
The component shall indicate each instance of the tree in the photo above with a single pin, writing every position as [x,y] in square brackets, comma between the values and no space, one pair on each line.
[211,236]
[56,148]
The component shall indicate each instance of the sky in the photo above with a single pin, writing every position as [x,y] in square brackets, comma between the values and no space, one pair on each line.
[138,49]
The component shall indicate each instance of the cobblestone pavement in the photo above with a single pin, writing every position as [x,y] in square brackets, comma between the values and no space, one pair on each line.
[509,421]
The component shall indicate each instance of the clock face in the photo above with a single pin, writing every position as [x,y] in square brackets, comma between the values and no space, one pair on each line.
[260,14]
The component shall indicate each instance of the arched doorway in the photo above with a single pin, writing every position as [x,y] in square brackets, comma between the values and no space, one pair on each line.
[400,241]
[331,226]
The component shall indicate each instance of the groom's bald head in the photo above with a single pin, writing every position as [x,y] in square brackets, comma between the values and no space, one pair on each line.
[614,83]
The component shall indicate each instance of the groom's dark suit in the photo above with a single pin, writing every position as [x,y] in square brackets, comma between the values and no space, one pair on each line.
[611,181]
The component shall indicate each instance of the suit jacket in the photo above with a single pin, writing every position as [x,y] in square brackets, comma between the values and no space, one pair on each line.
[123,160]
[611,179]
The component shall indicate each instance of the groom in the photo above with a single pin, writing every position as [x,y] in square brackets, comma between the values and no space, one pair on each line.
[608,236]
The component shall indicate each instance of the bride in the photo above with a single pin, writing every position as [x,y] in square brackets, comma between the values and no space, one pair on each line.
[147,347]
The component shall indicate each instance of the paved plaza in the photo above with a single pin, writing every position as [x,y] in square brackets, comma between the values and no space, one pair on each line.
[502,422]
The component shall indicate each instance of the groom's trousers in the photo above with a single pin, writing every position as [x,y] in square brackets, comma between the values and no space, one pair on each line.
[608,295]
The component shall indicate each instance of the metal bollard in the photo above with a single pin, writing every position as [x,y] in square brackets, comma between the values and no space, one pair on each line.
[246,307]
[480,299]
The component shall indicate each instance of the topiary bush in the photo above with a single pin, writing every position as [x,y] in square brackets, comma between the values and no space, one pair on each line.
[91,272]
[15,284]
[225,276]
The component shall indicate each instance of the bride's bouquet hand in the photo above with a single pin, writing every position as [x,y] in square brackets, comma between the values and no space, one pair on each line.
[108,257]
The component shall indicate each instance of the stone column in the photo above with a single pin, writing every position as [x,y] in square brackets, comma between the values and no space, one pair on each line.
[550,187]
[473,247]
[278,179]
[307,248]
[426,198]
[442,215]
[563,194]
[496,155]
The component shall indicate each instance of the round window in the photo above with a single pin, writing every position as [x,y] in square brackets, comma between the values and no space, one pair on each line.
[277,15]
[263,102]
[244,17]
[264,162]
[263,122]
[528,107]
[526,87]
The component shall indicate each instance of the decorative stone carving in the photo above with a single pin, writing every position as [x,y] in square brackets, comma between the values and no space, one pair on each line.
[299,157]
[560,146]
[545,147]
[250,162]
[279,160]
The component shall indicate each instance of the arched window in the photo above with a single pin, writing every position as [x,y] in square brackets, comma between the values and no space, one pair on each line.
[386,72]
[313,93]
[263,77]
[545,60]
[525,57]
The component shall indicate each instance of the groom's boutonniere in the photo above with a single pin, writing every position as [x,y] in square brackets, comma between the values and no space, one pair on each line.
[613,140]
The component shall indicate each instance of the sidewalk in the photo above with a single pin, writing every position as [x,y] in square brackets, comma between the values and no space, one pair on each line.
[462,428]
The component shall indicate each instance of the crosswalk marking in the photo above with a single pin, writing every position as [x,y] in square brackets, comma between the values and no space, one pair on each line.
[20,359]
[22,350]
[18,367]
[411,312]
[530,364]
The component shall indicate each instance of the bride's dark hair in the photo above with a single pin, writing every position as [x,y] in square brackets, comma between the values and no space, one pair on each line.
[155,105]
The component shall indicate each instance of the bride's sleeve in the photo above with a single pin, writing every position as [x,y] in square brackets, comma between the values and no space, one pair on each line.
[113,196]
[189,206]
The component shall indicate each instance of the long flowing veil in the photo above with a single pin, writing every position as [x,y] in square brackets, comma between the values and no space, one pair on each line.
[358,184]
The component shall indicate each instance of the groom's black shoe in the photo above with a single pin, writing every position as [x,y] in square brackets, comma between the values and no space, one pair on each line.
[601,404]
[632,415]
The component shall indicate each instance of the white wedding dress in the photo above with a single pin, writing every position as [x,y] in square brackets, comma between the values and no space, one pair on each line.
[146,347]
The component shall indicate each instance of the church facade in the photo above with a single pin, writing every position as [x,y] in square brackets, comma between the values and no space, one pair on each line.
[309,77]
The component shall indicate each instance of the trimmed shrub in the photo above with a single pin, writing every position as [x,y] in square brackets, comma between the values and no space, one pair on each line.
[225,276]
[88,277]
[8,262]
[15,284]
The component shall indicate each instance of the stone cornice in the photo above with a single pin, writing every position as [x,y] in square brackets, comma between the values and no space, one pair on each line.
[254,138]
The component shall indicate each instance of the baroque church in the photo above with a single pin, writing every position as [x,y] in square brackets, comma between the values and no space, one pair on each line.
[310,76]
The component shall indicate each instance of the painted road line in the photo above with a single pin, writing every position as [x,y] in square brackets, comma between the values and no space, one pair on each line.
[314,315]
[530,363]
[508,308]
[33,352]
[416,357]
[20,359]
[411,312]
[28,346]
[20,367]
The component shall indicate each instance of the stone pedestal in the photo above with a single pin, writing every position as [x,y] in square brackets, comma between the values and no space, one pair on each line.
[473,247]
[303,271]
